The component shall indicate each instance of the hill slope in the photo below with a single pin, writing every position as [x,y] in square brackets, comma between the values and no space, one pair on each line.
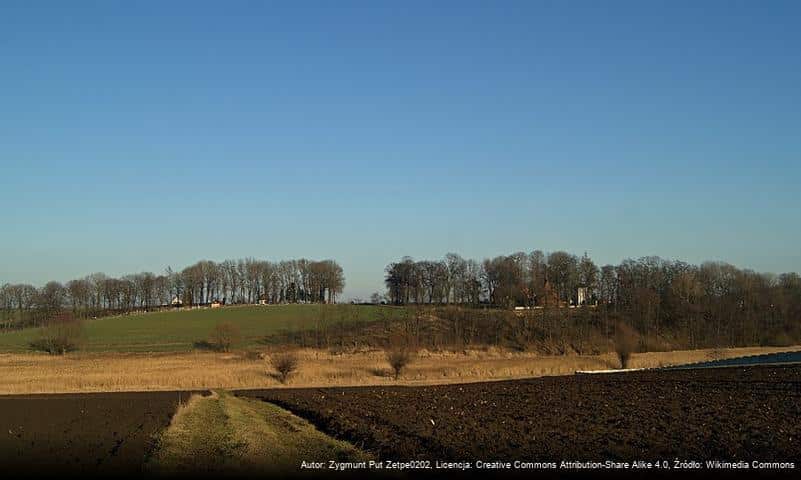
[180,330]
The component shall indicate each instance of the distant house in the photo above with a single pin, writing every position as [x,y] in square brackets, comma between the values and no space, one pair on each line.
[176,302]
[585,297]
[582,296]
[216,304]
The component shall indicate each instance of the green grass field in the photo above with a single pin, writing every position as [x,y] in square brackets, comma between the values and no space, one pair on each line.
[179,330]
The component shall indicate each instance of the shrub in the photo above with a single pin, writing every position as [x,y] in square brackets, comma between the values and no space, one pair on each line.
[625,344]
[284,364]
[398,359]
[61,335]
[224,336]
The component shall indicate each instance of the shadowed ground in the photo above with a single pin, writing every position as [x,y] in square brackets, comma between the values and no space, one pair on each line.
[748,413]
[96,433]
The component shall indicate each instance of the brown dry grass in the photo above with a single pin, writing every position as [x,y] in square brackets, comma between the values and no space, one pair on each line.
[85,372]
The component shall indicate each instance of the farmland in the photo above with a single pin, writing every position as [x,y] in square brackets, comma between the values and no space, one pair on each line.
[336,345]
[123,434]
[177,331]
[730,413]
[88,433]
[454,401]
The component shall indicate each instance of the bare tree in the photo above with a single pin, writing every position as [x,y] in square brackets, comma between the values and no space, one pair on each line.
[224,336]
[60,334]
[399,359]
[284,364]
[625,344]
[79,293]
[587,277]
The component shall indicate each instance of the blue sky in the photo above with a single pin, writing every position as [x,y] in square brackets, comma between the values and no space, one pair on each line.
[137,135]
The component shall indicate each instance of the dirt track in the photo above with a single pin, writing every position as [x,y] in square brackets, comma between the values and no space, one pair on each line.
[92,433]
[732,413]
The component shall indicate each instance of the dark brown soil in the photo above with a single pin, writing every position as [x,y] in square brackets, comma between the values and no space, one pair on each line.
[751,413]
[93,433]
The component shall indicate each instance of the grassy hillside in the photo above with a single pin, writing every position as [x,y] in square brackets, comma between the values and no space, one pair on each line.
[179,330]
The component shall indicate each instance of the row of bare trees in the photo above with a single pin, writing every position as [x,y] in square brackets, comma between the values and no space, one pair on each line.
[250,280]
[232,281]
[452,280]
[507,280]
[711,303]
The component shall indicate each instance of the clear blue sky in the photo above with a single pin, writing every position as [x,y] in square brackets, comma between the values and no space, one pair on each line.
[136,135]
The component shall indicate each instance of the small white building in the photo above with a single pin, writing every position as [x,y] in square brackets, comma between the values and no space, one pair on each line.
[582,296]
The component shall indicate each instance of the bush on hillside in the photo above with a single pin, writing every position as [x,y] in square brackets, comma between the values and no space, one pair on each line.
[224,336]
[62,334]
